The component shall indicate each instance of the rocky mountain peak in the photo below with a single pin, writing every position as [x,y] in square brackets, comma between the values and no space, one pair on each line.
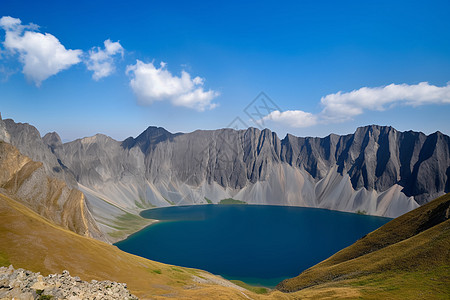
[148,138]
[53,140]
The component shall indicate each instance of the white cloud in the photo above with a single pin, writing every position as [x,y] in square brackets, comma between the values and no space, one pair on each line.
[9,23]
[151,84]
[42,55]
[343,106]
[101,61]
[340,107]
[292,118]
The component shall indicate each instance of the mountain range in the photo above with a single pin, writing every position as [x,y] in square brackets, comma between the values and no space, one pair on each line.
[376,170]
[406,258]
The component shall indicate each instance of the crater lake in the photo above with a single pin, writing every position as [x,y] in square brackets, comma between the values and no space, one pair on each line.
[257,244]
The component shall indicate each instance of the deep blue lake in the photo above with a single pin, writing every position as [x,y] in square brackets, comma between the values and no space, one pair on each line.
[258,244]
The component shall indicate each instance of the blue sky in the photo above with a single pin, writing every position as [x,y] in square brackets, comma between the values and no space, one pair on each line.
[328,66]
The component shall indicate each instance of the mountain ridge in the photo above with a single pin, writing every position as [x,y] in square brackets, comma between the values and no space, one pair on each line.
[26,181]
[377,169]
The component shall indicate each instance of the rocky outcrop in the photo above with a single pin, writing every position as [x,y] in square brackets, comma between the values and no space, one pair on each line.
[27,181]
[377,169]
[376,158]
[27,285]
[28,140]
[373,170]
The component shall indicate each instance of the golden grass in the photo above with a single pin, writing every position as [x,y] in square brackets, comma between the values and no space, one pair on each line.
[255,289]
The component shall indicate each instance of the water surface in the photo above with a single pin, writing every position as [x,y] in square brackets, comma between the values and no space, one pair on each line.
[258,244]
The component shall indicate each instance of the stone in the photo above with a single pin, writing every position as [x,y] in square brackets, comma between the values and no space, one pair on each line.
[57,286]
[39,286]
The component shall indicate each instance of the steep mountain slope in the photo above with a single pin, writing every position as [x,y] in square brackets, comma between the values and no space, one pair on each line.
[29,142]
[377,170]
[26,180]
[376,157]
[408,258]
[227,163]
[113,180]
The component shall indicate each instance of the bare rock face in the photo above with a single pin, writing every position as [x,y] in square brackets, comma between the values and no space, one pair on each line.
[377,157]
[377,169]
[26,180]
[227,157]
[28,140]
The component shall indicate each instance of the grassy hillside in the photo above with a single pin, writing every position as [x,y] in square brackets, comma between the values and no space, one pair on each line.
[408,258]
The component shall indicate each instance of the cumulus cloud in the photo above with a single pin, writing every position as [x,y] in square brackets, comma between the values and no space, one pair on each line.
[292,118]
[9,22]
[101,61]
[340,107]
[151,84]
[343,106]
[42,55]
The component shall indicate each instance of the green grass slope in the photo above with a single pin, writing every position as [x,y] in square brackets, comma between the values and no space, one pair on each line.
[408,258]
[231,201]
